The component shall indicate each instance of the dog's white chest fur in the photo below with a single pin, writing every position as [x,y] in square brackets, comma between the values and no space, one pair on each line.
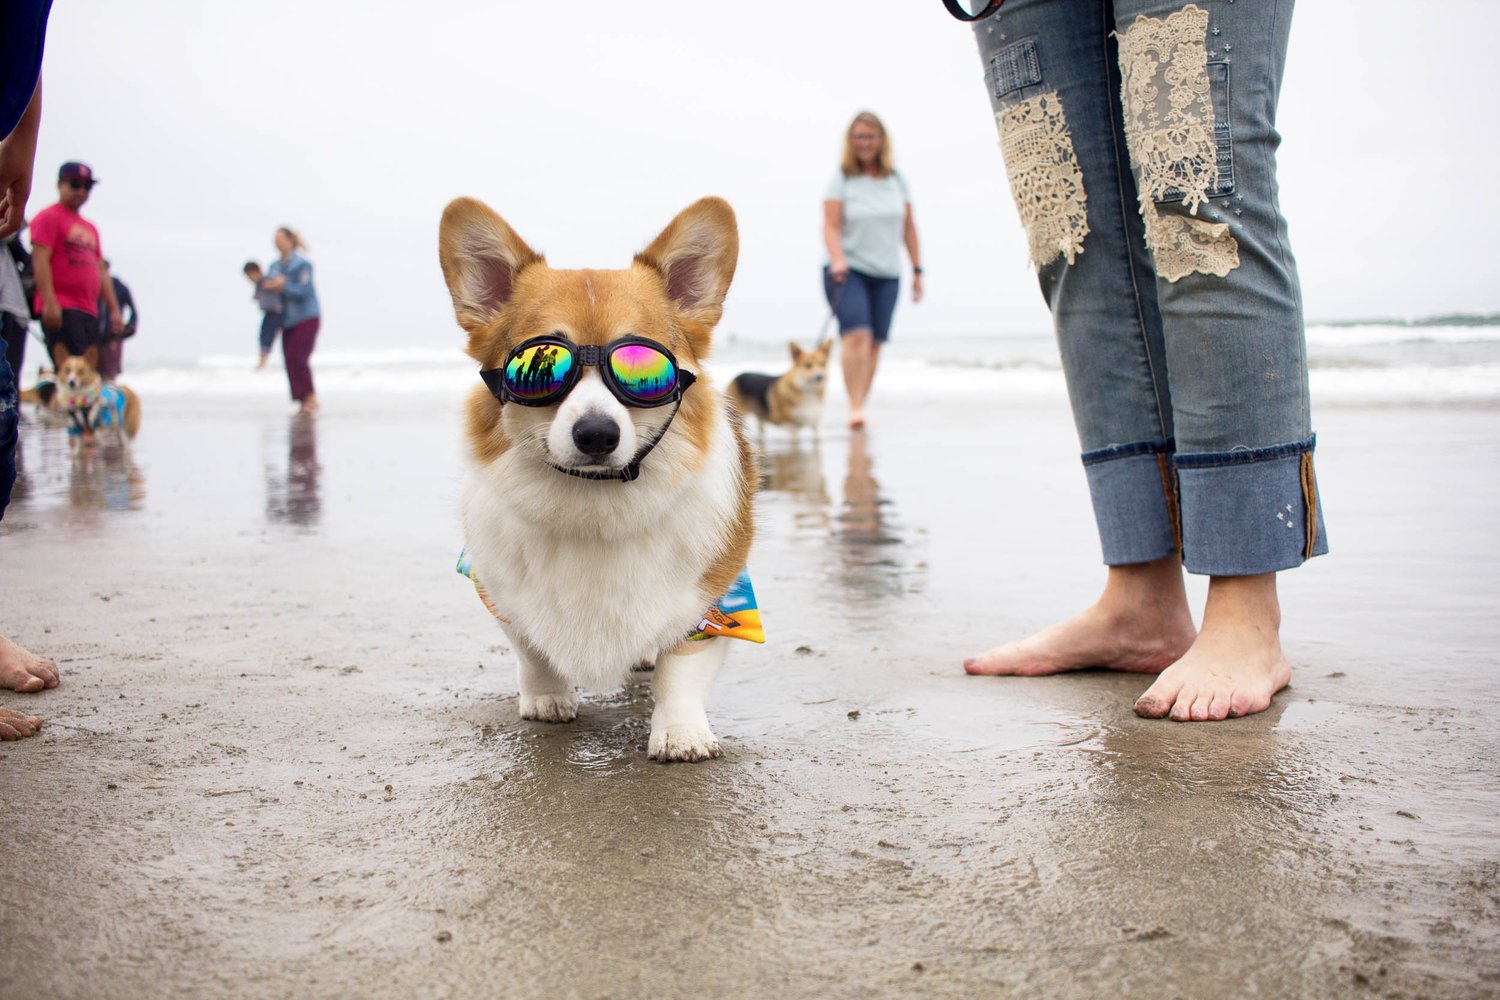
[600,576]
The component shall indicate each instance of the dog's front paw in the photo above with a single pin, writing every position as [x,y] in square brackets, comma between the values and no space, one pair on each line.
[549,707]
[682,742]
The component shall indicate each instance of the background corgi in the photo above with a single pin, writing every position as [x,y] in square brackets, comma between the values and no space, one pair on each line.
[91,405]
[794,399]
[602,534]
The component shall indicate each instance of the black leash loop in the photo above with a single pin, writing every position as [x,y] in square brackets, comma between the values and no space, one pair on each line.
[957,10]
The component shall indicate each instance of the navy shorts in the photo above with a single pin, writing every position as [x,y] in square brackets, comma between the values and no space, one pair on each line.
[862,302]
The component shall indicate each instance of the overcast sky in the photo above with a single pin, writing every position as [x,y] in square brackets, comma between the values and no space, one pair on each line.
[588,125]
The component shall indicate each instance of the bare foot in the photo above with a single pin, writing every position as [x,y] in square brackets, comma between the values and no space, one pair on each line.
[1140,624]
[22,670]
[309,405]
[15,726]
[856,420]
[1236,664]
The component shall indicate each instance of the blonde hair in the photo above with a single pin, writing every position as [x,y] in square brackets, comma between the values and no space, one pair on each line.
[291,234]
[885,163]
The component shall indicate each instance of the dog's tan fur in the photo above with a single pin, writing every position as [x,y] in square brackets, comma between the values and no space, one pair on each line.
[795,399]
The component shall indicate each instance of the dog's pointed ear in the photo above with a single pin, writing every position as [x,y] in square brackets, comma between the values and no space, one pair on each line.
[797,351]
[696,255]
[59,355]
[91,355]
[481,257]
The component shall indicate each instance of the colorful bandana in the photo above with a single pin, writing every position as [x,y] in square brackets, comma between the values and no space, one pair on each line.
[737,616]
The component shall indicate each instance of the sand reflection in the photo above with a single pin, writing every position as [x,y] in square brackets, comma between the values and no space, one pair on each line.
[292,495]
[105,477]
[867,530]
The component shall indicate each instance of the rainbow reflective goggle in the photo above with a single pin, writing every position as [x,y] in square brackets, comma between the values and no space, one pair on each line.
[542,370]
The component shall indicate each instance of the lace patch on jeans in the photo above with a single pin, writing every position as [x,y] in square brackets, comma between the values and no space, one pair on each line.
[1169,127]
[1044,177]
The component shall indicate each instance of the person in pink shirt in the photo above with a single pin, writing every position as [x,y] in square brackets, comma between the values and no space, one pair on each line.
[69,265]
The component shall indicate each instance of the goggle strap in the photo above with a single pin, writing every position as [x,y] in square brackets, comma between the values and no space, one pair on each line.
[494,380]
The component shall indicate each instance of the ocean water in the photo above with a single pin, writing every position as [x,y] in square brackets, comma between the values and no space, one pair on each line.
[1368,364]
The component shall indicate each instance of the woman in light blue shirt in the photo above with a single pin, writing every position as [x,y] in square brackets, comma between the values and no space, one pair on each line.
[290,275]
[866,218]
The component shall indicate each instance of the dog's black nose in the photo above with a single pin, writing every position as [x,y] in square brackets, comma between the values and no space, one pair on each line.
[596,435]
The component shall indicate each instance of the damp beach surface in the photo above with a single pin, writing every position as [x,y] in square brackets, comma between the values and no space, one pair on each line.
[285,758]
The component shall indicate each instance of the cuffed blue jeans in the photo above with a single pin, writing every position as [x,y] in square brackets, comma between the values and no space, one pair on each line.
[1139,140]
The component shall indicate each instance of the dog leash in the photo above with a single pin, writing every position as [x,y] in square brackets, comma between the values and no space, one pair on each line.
[833,311]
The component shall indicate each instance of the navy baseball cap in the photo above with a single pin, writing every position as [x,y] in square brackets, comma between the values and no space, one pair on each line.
[73,169]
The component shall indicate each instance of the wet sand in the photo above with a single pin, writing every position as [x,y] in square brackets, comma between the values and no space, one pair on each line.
[285,758]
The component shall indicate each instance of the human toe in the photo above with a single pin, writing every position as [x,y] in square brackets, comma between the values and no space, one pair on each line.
[29,683]
[991,661]
[1159,699]
[47,671]
[15,726]
[1246,703]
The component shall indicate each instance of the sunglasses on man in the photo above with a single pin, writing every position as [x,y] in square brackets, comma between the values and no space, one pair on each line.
[79,184]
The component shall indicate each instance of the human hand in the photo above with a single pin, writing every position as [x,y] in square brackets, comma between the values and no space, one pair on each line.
[116,322]
[916,288]
[838,270]
[14,190]
[51,314]
[17,155]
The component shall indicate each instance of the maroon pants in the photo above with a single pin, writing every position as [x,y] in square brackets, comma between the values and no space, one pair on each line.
[296,348]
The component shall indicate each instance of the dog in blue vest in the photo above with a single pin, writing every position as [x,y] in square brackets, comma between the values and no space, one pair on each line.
[92,406]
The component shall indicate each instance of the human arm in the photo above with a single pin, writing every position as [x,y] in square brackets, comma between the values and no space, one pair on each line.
[17,157]
[914,251]
[41,264]
[107,289]
[296,284]
[833,239]
[127,305]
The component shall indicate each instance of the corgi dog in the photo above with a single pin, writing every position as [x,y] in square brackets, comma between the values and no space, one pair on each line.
[794,399]
[90,404]
[608,508]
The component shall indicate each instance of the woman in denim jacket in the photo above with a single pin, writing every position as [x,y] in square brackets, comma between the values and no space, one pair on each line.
[291,276]
[1139,140]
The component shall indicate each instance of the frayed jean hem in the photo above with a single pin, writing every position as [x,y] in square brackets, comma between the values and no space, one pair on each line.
[1236,513]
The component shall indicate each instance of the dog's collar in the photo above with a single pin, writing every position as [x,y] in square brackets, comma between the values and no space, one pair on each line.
[631,472]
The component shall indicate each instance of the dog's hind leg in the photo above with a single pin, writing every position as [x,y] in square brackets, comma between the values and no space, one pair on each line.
[545,696]
[679,725]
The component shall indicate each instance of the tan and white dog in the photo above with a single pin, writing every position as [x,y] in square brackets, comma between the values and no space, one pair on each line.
[589,570]
[92,407]
[794,399]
